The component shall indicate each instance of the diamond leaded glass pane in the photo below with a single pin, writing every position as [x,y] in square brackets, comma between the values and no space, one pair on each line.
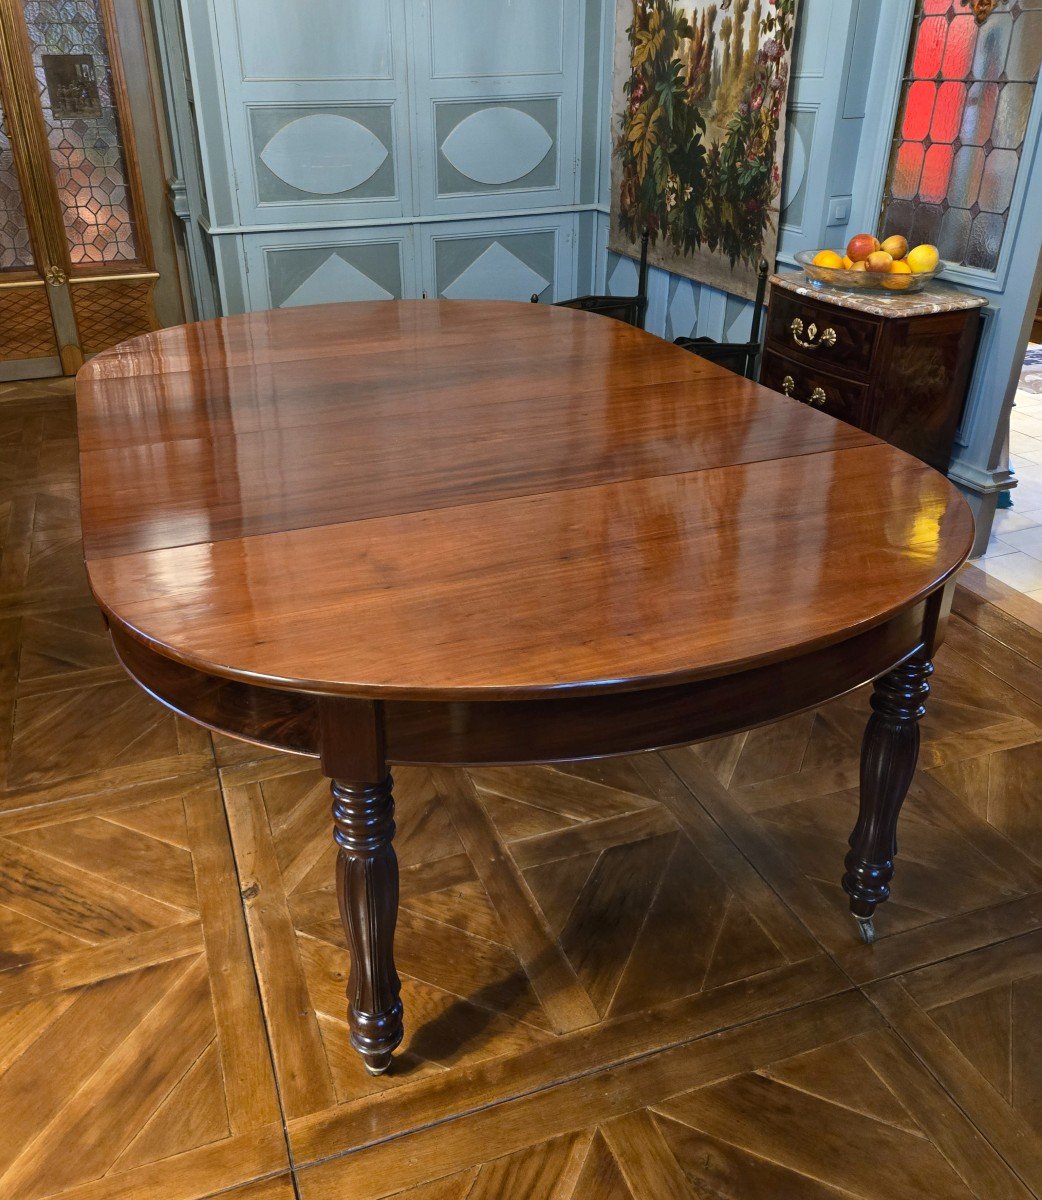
[71,59]
[16,251]
[967,94]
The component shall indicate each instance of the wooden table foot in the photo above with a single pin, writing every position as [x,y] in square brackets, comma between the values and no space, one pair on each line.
[888,756]
[367,889]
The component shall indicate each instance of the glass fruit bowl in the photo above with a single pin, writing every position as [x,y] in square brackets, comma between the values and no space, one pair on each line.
[864,281]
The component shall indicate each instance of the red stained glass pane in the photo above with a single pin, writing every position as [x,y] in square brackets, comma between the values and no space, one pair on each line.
[937,170]
[968,91]
[929,47]
[958,51]
[907,169]
[947,112]
[918,111]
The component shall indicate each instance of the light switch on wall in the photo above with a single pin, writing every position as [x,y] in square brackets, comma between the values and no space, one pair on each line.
[839,210]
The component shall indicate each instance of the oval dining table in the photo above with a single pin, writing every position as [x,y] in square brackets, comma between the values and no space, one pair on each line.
[472,532]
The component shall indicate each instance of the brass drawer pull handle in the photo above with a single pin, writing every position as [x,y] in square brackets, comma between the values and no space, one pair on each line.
[817,397]
[813,342]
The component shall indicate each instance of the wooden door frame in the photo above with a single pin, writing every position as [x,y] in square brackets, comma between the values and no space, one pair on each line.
[38,192]
[129,64]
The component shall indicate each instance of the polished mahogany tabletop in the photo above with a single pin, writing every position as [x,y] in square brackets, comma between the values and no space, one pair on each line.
[441,533]
[460,499]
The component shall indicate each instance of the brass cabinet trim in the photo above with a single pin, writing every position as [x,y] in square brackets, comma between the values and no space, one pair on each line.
[57,277]
[817,398]
[123,277]
[856,336]
[813,341]
[21,283]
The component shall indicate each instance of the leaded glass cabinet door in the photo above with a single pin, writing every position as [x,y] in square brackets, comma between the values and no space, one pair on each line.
[28,343]
[76,219]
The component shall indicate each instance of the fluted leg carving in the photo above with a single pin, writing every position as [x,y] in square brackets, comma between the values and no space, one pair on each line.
[888,757]
[367,888]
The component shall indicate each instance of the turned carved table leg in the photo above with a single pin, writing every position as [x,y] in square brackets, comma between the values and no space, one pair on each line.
[888,757]
[367,889]
[352,747]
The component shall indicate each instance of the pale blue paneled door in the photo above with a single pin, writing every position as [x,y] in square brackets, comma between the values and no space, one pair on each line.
[497,88]
[391,148]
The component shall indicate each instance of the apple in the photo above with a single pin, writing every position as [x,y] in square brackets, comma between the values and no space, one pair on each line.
[879,261]
[896,246]
[861,246]
[859,266]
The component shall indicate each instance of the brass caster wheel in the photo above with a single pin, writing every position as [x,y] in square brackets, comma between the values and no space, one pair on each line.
[867,929]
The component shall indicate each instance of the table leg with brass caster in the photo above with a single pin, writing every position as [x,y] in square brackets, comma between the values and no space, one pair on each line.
[888,757]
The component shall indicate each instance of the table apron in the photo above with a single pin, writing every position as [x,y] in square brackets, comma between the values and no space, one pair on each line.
[504,731]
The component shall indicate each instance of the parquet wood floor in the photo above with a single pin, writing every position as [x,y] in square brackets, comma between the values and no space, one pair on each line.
[633,980]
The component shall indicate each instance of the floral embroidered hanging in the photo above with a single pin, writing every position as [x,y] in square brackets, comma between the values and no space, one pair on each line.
[698,130]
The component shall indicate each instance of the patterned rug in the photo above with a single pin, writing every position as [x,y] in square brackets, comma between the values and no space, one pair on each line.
[1031,372]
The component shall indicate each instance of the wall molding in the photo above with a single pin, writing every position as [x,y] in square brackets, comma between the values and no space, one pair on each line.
[177,199]
[383,222]
[981,480]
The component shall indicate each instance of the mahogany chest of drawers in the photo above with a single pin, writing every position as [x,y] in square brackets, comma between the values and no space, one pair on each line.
[897,366]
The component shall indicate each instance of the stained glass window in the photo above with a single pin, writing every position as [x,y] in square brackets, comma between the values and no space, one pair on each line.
[967,94]
[15,249]
[71,58]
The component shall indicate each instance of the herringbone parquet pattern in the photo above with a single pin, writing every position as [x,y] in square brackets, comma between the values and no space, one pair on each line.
[631,980]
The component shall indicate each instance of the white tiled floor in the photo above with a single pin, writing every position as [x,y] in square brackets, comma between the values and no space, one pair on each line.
[1014,553]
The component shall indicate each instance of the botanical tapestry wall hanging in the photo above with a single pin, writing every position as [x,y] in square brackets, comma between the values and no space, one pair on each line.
[698,130]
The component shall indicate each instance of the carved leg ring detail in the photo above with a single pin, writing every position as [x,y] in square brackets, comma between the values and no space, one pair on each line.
[888,757]
[367,889]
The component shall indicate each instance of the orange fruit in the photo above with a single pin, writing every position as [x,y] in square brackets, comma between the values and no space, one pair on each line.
[828,258]
[898,279]
[847,262]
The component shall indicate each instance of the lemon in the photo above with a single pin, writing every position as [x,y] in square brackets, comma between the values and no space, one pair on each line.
[923,259]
